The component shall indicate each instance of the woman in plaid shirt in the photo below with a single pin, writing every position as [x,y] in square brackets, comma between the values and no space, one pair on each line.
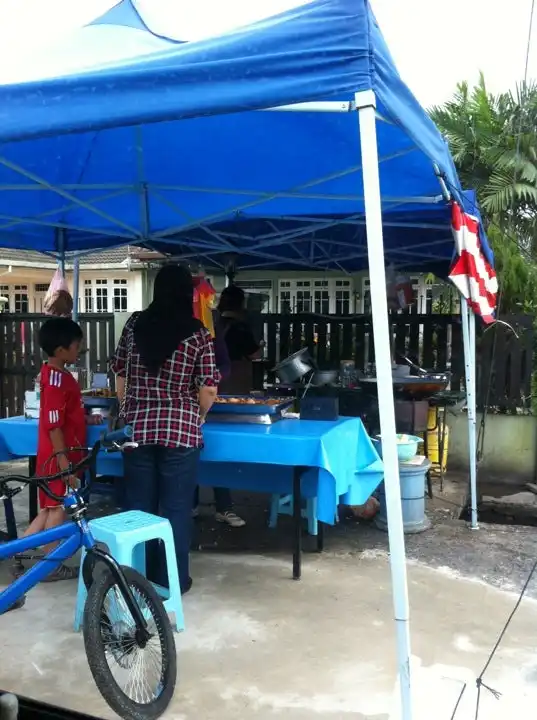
[166,379]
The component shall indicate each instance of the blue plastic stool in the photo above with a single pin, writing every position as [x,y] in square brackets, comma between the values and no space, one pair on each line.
[125,535]
[283,505]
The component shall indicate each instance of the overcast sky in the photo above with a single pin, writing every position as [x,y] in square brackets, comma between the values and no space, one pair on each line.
[435,44]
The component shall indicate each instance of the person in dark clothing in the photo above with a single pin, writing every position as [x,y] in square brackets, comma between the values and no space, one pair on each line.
[241,345]
[223,361]
[222,496]
[166,380]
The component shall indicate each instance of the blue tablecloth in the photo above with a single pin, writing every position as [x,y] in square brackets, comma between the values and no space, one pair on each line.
[340,462]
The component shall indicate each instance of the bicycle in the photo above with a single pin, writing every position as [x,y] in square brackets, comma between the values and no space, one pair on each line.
[136,640]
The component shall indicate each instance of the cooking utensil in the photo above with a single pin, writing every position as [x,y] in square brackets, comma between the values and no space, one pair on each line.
[324,377]
[295,367]
[412,364]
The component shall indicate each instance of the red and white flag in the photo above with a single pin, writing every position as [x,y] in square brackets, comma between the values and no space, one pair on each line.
[471,272]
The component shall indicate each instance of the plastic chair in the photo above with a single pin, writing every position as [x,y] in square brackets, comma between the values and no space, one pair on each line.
[283,505]
[125,535]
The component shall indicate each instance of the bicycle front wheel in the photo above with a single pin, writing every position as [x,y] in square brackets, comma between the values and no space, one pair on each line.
[137,682]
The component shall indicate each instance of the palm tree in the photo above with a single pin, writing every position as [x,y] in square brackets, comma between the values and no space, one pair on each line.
[493,141]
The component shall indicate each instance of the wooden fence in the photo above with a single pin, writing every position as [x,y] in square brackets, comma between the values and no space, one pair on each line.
[21,357]
[431,341]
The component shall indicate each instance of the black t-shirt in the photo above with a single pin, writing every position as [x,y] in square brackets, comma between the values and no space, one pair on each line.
[240,340]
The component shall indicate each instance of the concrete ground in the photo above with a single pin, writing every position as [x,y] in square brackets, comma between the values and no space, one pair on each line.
[259,645]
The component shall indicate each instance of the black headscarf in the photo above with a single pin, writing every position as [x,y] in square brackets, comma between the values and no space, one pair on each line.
[169,319]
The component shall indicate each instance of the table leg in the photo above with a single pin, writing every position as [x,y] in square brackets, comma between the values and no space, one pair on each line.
[297,524]
[320,536]
[32,490]
[425,452]
[11,525]
[441,443]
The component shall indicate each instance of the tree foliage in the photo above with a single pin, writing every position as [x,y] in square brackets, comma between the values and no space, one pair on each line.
[493,140]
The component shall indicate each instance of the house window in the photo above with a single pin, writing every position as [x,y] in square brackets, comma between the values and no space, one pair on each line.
[284,297]
[285,301]
[120,296]
[40,290]
[101,296]
[303,296]
[342,296]
[21,304]
[88,297]
[4,301]
[321,297]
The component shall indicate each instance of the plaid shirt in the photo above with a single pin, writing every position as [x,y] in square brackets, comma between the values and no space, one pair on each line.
[164,409]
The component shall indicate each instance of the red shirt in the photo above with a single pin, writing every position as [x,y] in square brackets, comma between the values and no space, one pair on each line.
[61,406]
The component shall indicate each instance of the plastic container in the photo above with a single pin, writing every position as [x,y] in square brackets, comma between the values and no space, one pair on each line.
[433,440]
[347,373]
[433,450]
[412,478]
[405,450]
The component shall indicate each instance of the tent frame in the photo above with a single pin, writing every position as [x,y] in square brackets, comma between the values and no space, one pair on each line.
[364,105]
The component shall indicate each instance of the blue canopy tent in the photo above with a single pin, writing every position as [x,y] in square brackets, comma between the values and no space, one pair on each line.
[269,140]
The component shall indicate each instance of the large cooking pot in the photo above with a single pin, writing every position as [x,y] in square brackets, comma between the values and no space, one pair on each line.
[324,377]
[295,367]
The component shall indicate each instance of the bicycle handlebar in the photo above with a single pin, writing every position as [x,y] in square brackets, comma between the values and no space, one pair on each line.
[110,438]
[123,433]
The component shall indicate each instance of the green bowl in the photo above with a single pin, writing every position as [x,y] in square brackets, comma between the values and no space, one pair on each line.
[405,450]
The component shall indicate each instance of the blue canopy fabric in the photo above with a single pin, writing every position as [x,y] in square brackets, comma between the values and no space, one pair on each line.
[120,134]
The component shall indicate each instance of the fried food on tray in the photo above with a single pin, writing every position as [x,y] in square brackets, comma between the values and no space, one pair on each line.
[99,393]
[248,401]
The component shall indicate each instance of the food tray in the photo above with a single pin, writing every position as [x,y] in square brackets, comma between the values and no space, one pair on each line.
[259,408]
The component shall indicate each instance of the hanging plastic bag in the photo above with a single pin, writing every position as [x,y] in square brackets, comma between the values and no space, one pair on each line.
[58,300]
[399,291]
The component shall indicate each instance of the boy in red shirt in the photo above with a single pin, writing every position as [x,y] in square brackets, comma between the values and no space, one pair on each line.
[62,425]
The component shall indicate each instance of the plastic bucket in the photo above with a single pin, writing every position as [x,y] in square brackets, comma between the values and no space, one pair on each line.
[412,481]
[433,450]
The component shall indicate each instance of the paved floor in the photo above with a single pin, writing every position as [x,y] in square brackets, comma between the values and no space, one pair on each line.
[259,645]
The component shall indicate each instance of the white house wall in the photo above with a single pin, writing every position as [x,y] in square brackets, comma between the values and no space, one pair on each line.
[139,286]
[359,285]
[37,280]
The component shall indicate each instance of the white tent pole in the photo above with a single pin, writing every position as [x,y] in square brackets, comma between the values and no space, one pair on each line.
[60,243]
[365,103]
[76,286]
[468,338]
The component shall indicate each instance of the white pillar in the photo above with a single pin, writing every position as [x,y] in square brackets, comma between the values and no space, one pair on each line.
[468,338]
[365,102]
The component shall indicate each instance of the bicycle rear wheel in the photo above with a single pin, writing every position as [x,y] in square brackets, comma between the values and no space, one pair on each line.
[136,682]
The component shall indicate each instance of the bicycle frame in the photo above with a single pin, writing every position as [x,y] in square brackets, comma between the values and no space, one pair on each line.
[72,535]
[72,538]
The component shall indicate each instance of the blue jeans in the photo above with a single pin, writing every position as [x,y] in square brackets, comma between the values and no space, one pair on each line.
[161,480]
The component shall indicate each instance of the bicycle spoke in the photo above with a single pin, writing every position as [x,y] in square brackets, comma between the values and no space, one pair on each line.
[138,671]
